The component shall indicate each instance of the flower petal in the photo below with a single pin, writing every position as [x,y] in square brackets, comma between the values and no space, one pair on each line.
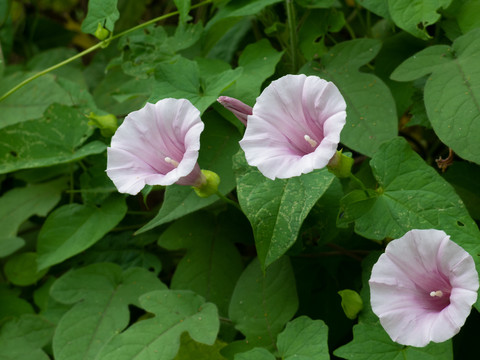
[171,129]
[295,126]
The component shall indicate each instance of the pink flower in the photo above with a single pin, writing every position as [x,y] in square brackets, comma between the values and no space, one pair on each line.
[423,287]
[157,145]
[238,108]
[295,126]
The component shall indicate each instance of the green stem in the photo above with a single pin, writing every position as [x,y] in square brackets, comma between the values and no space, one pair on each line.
[101,44]
[292,28]
[227,200]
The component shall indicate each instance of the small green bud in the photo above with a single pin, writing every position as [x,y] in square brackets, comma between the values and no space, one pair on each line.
[340,165]
[101,33]
[210,186]
[352,303]
[107,124]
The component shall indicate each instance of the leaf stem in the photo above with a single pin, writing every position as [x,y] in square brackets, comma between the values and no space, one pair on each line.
[227,200]
[292,28]
[101,44]
[359,182]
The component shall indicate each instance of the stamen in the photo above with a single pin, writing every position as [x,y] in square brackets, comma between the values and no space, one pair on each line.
[438,293]
[312,142]
[171,161]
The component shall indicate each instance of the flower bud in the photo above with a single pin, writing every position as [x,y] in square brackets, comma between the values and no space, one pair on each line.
[340,165]
[106,123]
[352,303]
[238,108]
[101,33]
[210,186]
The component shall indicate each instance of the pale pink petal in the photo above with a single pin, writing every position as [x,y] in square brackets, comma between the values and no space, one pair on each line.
[294,127]
[156,145]
[422,288]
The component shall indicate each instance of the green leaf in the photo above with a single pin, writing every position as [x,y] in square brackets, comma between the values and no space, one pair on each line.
[412,195]
[183,79]
[183,7]
[258,61]
[212,264]
[315,4]
[468,17]
[21,269]
[41,93]
[379,7]
[73,228]
[17,205]
[276,209]
[371,115]
[305,339]
[219,142]
[255,353]
[23,338]
[415,15]
[102,293]
[423,63]
[370,341]
[54,139]
[262,303]
[190,349]
[103,12]
[11,304]
[159,337]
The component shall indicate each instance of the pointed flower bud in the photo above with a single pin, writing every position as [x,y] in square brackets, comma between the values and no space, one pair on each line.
[423,287]
[340,165]
[294,127]
[157,145]
[352,303]
[238,108]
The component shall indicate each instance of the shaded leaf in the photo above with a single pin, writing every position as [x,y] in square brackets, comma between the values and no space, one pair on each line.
[21,269]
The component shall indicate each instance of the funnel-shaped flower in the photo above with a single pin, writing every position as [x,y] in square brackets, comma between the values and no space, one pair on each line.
[422,288]
[157,145]
[295,126]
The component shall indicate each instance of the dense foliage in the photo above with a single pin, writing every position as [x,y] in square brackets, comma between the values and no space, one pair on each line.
[265,269]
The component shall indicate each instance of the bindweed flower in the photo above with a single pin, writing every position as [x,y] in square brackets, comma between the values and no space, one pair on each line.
[422,288]
[294,127]
[157,145]
[238,108]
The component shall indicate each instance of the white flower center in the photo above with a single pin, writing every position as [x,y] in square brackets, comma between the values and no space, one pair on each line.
[171,161]
[438,293]
[312,142]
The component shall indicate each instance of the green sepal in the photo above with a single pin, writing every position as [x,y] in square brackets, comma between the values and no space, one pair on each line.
[340,165]
[210,186]
[107,124]
[352,303]
[101,33]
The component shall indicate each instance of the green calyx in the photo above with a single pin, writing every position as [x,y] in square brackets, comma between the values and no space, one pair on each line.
[340,165]
[210,186]
[352,303]
[107,124]
[101,33]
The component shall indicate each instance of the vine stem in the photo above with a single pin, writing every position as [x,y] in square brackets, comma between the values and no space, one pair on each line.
[101,44]
[292,27]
